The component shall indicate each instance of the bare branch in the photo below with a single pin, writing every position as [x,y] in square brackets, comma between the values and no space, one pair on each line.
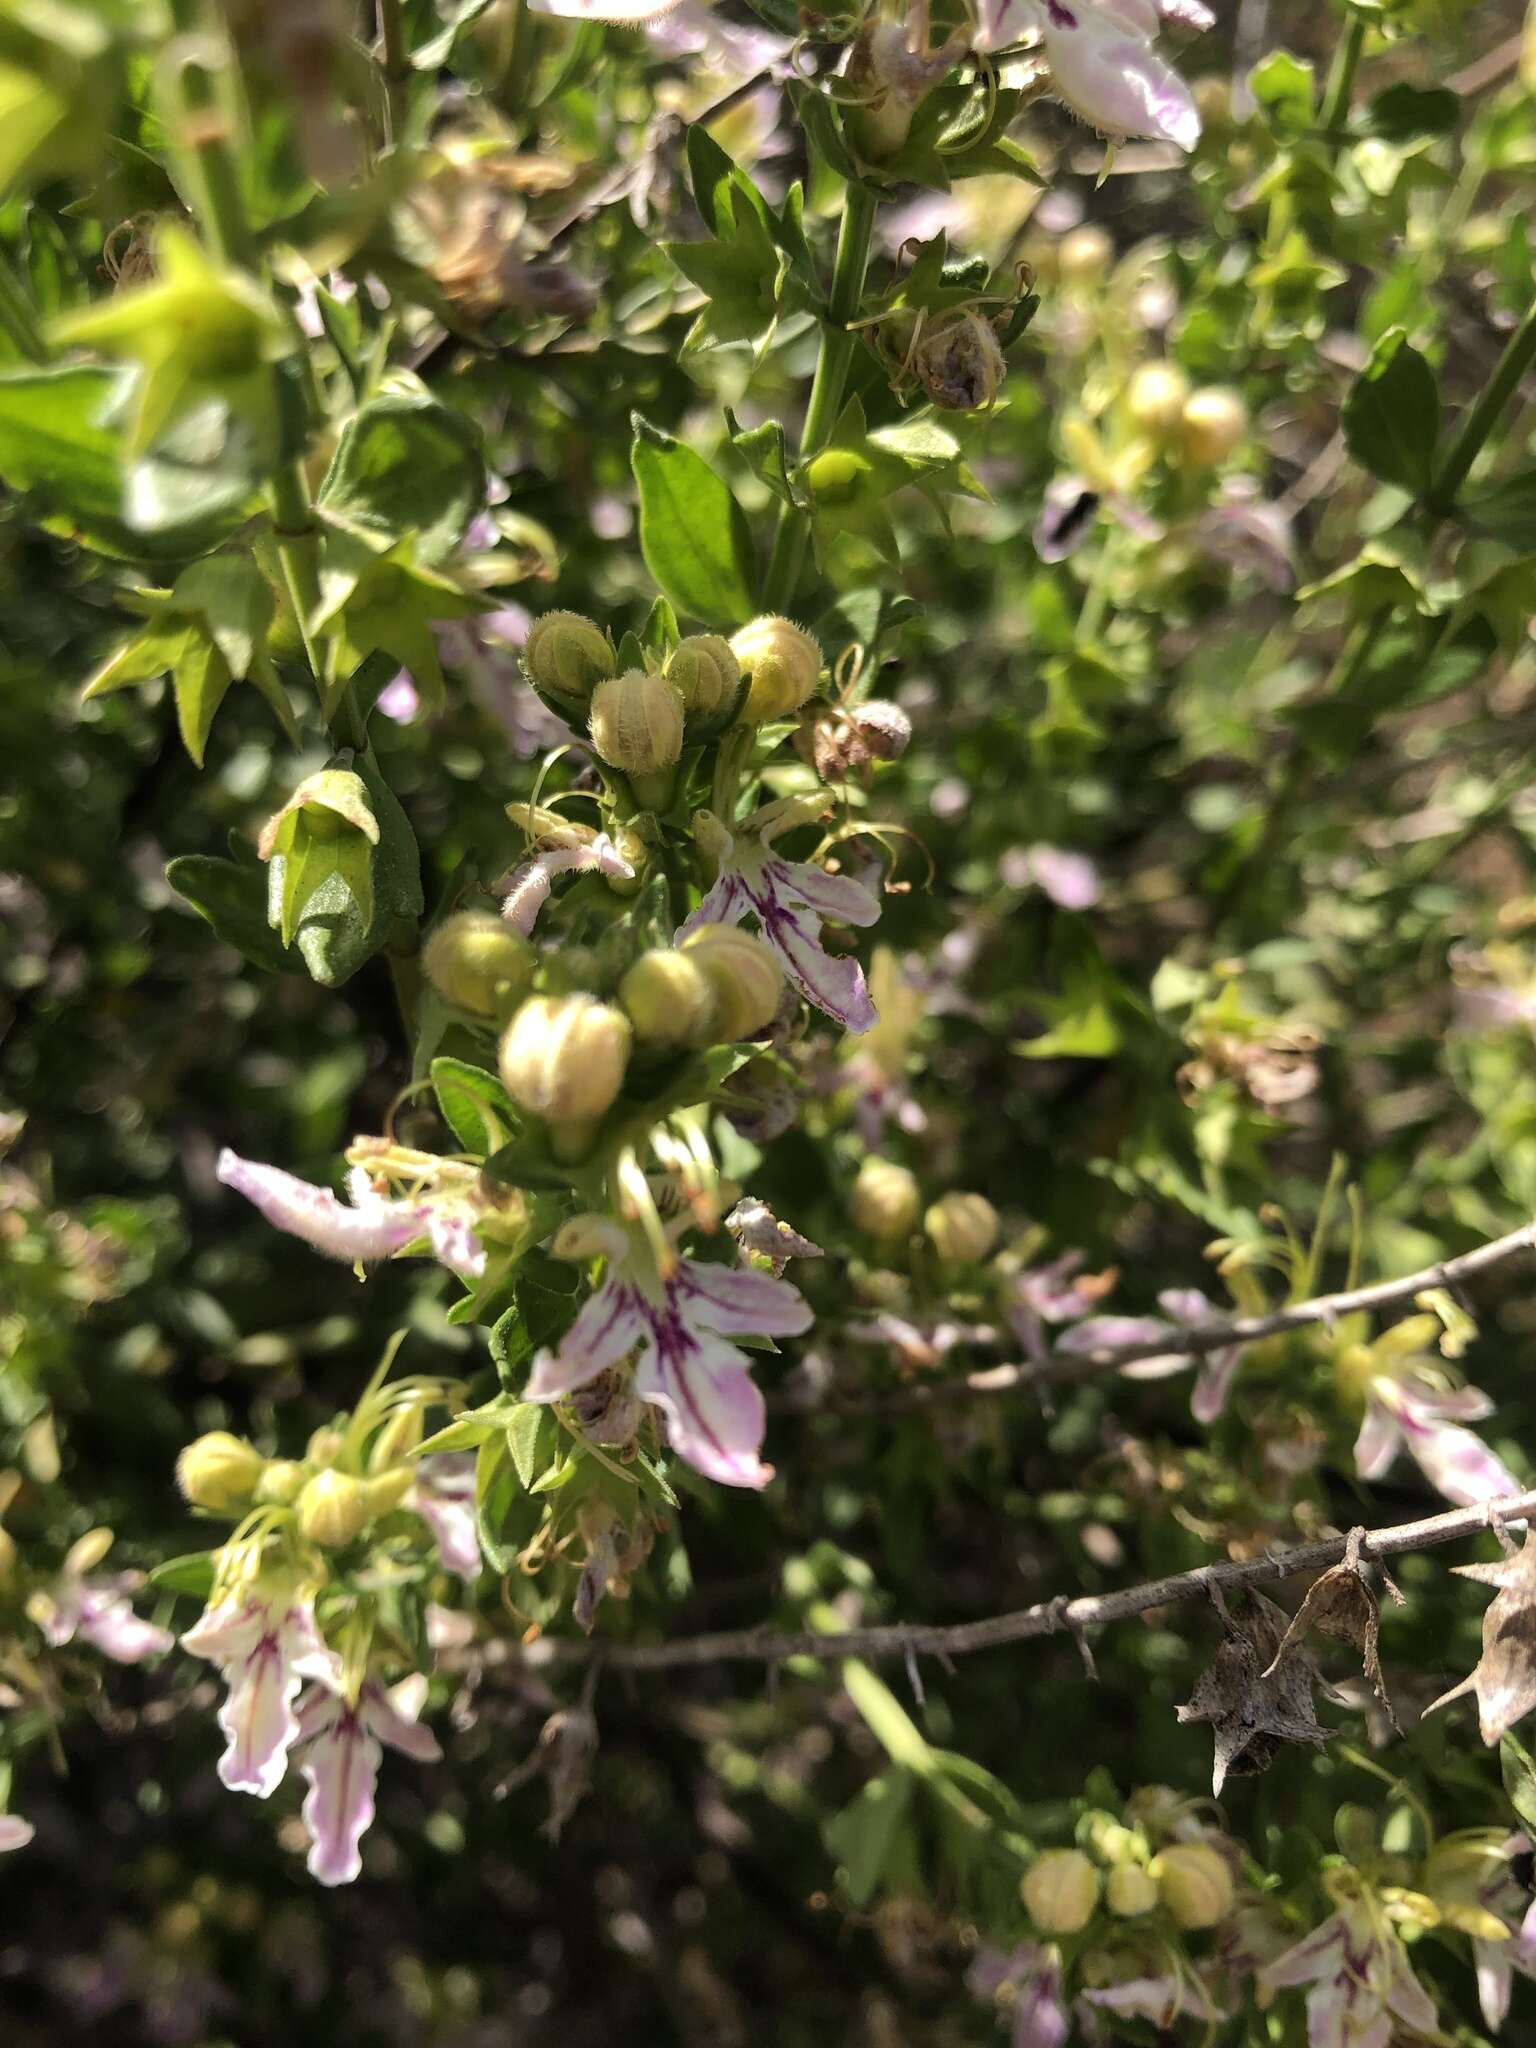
[1195,1339]
[1047,1618]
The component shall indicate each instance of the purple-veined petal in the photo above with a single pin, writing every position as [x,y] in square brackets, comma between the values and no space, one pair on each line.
[315,1215]
[839,897]
[394,1716]
[1214,1382]
[257,1717]
[1040,2017]
[609,1325]
[444,1497]
[725,903]
[714,1409]
[1378,1443]
[454,1242]
[341,1763]
[1317,1954]
[107,1621]
[740,1302]
[1115,81]
[1457,1463]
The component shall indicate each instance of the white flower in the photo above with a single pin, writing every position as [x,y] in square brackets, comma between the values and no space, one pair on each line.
[340,1756]
[265,1642]
[367,1226]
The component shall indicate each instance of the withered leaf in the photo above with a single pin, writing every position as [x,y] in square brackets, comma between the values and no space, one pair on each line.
[1253,1697]
[1341,1604]
[1504,1677]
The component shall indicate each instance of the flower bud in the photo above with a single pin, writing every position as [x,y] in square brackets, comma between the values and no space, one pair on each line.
[1213,423]
[706,673]
[398,1438]
[280,1482]
[669,999]
[745,977]
[220,1471]
[7,1555]
[1194,1883]
[884,1199]
[324,1446]
[567,655]
[1155,398]
[1060,1890]
[784,664]
[476,960]
[962,1227]
[333,1508]
[1129,1890]
[388,1489]
[959,362]
[563,1057]
[1084,255]
[87,1552]
[637,726]
[885,82]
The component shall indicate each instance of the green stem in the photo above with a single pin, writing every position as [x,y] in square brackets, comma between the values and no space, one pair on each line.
[200,127]
[514,84]
[837,348]
[1452,472]
[1341,77]
[396,67]
[18,318]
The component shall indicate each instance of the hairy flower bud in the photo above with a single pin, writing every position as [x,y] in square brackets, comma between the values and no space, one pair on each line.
[959,362]
[333,1508]
[398,1438]
[1213,423]
[706,672]
[1060,1890]
[7,1555]
[563,1057]
[474,959]
[743,974]
[1084,255]
[668,998]
[388,1489]
[962,1227]
[1155,398]
[220,1471]
[1194,1883]
[280,1482]
[567,655]
[784,663]
[884,1199]
[637,726]
[1129,1891]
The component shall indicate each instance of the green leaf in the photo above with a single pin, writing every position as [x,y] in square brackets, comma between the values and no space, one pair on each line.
[1519,1772]
[693,534]
[863,1835]
[231,895]
[1391,417]
[1404,111]
[765,450]
[544,1305]
[1505,513]
[474,1105]
[475,1426]
[659,634]
[407,465]
[192,1573]
[815,113]
[533,1437]
[1286,88]
[201,679]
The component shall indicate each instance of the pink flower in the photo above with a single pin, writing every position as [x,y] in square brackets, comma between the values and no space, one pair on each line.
[1102,61]
[1033,1975]
[15,1833]
[399,699]
[98,1611]
[789,899]
[368,1226]
[340,1758]
[1070,879]
[918,1347]
[713,1408]
[1362,1981]
[265,1643]
[444,1497]
[1037,1295]
[1159,2000]
[1187,1305]
[527,888]
[1409,1411]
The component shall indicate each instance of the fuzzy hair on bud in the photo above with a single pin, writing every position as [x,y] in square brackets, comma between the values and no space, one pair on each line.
[1060,1891]
[219,1472]
[1194,1883]
[637,722]
[744,976]
[962,1227]
[706,672]
[567,655]
[474,959]
[668,998]
[333,1509]
[884,1199]
[784,663]
[563,1057]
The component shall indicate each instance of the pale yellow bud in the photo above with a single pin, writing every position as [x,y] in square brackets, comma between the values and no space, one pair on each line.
[1214,422]
[707,674]
[220,1471]
[884,1199]
[7,1555]
[87,1552]
[1060,1891]
[563,1057]
[388,1489]
[333,1509]
[477,961]
[324,1446]
[280,1482]
[744,976]
[1155,398]
[1084,255]
[784,663]
[962,1227]
[398,1438]
[1129,1890]
[567,655]
[1194,1883]
[668,998]
[637,722]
